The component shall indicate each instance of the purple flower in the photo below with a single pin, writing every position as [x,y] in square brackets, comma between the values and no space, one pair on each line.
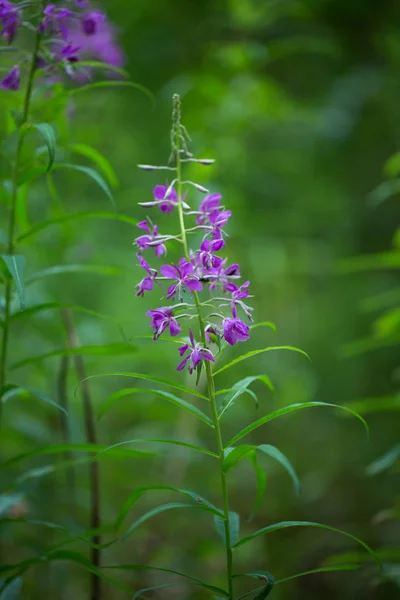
[147,283]
[211,330]
[206,256]
[12,80]
[209,204]
[102,46]
[81,3]
[69,53]
[196,354]
[166,204]
[235,331]
[218,219]
[237,294]
[91,20]
[222,274]
[151,240]
[161,318]
[10,20]
[184,277]
[56,21]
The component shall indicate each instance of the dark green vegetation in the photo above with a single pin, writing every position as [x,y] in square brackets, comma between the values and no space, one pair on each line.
[299,103]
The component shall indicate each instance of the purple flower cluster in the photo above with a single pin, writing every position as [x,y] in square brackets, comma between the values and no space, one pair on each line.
[199,270]
[77,31]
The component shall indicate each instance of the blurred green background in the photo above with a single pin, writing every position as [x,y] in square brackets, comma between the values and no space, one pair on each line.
[298,100]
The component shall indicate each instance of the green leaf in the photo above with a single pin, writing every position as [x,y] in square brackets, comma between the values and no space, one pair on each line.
[161,441]
[392,165]
[199,582]
[369,262]
[63,448]
[384,191]
[21,390]
[138,493]
[62,269]
[74,217]
[286,524]
[100,160]
[234,527]
[320,570]
[97,178]
[234,455]
[111,84]
[265,590]
[172,384]
[273,452]
[385,462]
[261,481]
[378,404]
[48,134]
[264,324]
[283,411]
[359,557]
[7,501]
[12,591]
[139,593]
[16,265]
[117,349]
[240,387]
[239,359]
[161,509]
[38,308]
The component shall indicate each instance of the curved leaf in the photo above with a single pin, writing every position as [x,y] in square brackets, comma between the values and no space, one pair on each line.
[74,217]
[16,265]
[264,590]
[19,391]
[240,387]
[92,174]
[90,448]
[384,462]
[161,509]
[239,359]
[117,349]
[49,137]
[275,453]
[139,593]
[161,441]
[211,588]
[78,268]
[111,84]
[261,480]
[234,527]
[283,411]
[320,570]
[359,558]
[38,308]
[100,160]
[264,324]
[286,524]
[167,382]
[139,492]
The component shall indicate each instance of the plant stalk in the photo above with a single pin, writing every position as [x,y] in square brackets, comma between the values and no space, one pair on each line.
[13,205]
[208,366]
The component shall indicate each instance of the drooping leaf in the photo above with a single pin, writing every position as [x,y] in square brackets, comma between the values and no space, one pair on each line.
[234,527]
[49,137]
[161,509]
[265,589]
[283,411]
[100,160]
[43,225]
[264,324]
[94,175]
[276,454]
[62,269]
[261,482]
[239,359]
[111,84]
[140,593]
[211,588]
[320,570]
[235,455]
[286,524]
[138,493]
[62,448]
[38,308]
[29,391]
[15,264]
[162,441]
[241,387]
[167,382]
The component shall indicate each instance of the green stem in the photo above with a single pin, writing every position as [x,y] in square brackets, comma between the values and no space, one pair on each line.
[11,224]
[208,365]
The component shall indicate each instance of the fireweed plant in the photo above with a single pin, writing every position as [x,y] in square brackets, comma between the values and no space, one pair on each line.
[205,308]
[51,53]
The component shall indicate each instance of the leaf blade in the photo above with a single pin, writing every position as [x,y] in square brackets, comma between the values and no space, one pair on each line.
[49,137]
[15,264]
[239,359]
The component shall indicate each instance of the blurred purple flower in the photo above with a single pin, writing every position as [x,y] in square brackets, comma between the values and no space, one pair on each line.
[100,46]
[10,20]
[91,20]
[195,356]
[235,331]
[151,240]
[161,318]
[12,80]
[237,295]
[55,21]
[206,256]
[166,204]
[184,277]
[209,204]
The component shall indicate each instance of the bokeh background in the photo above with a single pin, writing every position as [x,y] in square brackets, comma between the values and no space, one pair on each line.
[298,101]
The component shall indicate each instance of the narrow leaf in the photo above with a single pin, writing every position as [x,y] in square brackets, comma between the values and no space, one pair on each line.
[288,409]
[261,481]
[140,593]
[63,269]
[286,524]
[21,390]
[234,527]
[239,359]
[273,452]
[171,384]
[16,266]
[74,217]
[97,178]
[161,441]
[235,455]
[100,160]
[48,134]
[320,570]
[240,387]
[38,308]
[111,84]
[384,462]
